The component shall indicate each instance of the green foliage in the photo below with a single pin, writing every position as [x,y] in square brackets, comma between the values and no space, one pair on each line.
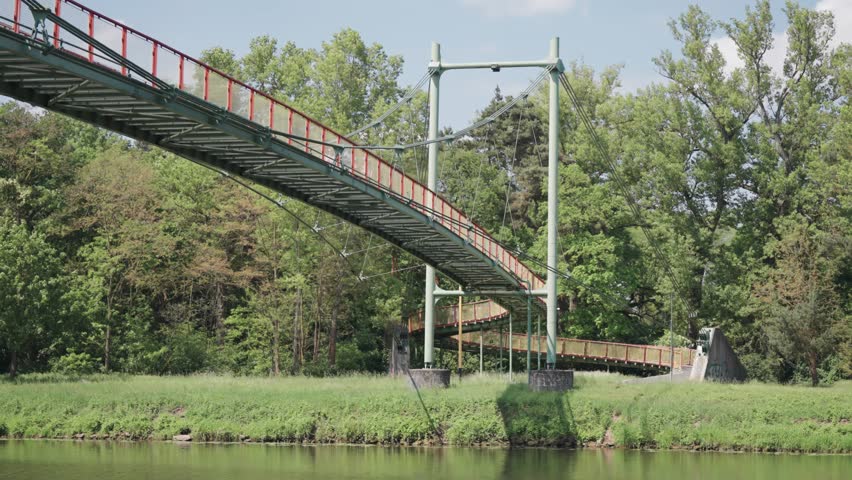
[185,349]
[478,411]
[29,287]
[679,341]
[121,253]
[74,364]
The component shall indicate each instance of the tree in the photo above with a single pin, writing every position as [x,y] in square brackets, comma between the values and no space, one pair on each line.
[351,80]
[113,202]
[39,156]
[30,284]
[712,112]
[804,316]
[105,279]
[282,72]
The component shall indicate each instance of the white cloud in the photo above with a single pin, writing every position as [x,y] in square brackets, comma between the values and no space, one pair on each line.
[842,10]
[520,8]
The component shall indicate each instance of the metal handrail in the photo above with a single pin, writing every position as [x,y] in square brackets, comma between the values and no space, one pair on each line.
[369,166]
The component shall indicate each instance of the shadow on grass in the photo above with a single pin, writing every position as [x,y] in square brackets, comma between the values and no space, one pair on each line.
[537,418]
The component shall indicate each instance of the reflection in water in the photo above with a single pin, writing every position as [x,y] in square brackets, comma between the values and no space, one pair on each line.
[39,460]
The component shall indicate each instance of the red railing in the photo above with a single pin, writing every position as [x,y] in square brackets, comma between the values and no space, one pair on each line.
[191,75]
[608,352]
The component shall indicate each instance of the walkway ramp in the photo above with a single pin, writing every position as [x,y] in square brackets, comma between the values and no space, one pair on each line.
[487,314]
[644,357]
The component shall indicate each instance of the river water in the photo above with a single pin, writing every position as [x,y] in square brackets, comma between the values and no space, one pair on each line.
[41,460]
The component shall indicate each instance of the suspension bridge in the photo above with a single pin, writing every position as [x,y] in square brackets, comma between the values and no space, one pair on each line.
[79,62]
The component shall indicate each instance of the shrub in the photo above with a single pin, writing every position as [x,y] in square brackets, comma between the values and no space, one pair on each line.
[74,364]
[187,349]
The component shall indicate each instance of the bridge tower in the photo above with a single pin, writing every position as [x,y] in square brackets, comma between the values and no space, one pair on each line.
[549,378]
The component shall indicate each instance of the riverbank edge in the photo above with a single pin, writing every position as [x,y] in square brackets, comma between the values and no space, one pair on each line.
[486,446]
[601,413]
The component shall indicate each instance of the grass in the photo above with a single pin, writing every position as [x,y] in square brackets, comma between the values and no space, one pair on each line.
[479,411]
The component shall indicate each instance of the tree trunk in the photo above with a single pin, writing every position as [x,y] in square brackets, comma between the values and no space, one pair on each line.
[317,319]
[107,339]
[332,336]
[812,366]
[13,364]
[220,314]
[296,339]
[106,346]
[301,329]
[276,346]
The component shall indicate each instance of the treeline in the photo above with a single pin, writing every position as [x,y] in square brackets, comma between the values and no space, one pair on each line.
[117,256]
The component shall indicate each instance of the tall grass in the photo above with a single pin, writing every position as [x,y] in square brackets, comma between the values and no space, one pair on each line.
[476,411]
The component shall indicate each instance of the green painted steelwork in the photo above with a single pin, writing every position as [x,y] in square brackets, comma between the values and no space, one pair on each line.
[207,134]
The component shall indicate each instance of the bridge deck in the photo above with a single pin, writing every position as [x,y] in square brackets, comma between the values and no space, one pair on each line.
[101,71]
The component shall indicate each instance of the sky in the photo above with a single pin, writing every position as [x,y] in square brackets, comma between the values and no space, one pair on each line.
[598,33]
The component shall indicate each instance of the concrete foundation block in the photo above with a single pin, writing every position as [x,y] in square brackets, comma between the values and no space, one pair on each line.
[430,377]
[551,380]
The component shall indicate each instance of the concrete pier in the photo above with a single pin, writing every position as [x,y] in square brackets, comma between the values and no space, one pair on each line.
[551,380]
[430,377]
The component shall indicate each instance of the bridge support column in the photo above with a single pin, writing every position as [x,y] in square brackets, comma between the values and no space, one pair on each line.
[459,322]
[552,204]
[529,340]
[551,379]
[432,181]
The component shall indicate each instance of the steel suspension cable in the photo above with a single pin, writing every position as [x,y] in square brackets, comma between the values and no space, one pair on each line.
[414,267]
[280,204]
[409,95]
[476,189]
[507,208]
[485,121]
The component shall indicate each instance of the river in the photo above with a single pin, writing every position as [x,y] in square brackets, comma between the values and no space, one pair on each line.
[42,460]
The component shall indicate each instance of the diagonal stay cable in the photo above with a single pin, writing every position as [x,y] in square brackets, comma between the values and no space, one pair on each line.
[406,98]
[485,121]
[511,170]
[339,148]
[280,205]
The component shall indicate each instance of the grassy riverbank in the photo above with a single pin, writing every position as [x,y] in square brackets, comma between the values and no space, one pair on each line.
[480,411]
